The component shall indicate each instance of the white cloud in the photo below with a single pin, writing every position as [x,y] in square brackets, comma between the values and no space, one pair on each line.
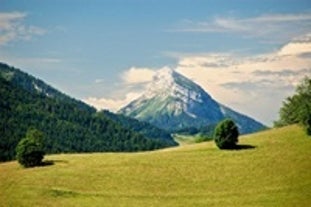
[254,85]
[12,28]
[111,104]
[298,46]
[276,26]
[6,18]
[133,83]
[137,75]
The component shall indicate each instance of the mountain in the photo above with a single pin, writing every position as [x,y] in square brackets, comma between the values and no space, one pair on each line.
[37,86]
[69,125]
[173,102]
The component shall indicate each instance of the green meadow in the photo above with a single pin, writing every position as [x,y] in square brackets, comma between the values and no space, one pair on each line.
[273,168]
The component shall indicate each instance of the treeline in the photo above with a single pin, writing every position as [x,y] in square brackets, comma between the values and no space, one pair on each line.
[205,131]
[67,126]
[140,127]
[297,108]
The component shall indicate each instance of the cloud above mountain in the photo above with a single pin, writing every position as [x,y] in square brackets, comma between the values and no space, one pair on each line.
[136,75]
[13,27]
[255,85]
[277,26]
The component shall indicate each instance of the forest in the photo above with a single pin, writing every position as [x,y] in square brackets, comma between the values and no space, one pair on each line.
[68,126]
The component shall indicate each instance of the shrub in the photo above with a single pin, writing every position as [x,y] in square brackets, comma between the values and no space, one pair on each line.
[29,151]
[226,134]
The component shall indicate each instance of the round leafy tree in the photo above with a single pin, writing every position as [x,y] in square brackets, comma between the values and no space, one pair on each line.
[226,134]
[297,108]
[29,151]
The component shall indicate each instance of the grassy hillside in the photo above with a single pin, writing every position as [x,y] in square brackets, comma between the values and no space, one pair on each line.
[276,172]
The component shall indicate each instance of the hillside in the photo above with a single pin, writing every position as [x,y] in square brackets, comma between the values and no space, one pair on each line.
[174,102]
[273,171]
[69,125]
[143,128]
[37,86]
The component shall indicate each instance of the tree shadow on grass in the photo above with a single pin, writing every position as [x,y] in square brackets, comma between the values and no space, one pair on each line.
[245,147]
[242,147]
[46,163]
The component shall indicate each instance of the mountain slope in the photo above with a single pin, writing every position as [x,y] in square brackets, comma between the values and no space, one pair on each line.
[173,102]
[68,125]
[37,86]
[140,127]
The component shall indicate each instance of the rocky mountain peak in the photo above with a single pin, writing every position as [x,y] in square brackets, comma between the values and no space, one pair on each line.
[172,101]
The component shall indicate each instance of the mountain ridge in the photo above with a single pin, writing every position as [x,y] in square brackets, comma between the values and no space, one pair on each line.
[37,86]
[172,102]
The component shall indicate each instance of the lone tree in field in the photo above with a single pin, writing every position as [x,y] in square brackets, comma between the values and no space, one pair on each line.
[29,151]
[297,108]
[226,134]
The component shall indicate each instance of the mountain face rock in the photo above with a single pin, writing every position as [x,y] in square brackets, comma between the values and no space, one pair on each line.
[173,102]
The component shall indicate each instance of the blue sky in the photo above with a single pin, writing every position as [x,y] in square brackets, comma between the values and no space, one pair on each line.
[247,54]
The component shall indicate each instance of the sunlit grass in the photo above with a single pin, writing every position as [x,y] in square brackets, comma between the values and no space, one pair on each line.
[274,173]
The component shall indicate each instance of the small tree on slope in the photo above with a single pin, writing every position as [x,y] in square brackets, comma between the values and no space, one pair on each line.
[226,134]
[29,151]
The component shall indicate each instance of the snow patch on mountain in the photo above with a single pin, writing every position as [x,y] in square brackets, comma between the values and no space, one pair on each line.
[36,87]
[172,101]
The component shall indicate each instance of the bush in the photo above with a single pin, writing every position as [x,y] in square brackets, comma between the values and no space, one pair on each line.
[226,134]
[29,151]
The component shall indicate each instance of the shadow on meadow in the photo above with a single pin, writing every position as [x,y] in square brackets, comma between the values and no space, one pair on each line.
[242,147]
[46,163]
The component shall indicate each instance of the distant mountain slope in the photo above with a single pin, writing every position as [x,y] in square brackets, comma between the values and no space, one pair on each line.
[37,86]
[69,126]
[140,127]
[173,102]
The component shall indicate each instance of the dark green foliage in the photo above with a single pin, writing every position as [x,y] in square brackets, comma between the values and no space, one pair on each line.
[226,134]
[29,151]
[68,126]
[203,138]
[297,108]
[204,133]
[187,131]
[141,127]
[36,86]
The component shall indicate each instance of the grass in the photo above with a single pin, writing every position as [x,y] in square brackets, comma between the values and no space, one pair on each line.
[189,139]
[276,172]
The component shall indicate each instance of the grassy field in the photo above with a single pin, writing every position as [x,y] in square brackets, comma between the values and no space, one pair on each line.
[275,170]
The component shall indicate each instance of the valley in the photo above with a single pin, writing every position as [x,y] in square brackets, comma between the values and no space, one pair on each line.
[273,171]
[155,103]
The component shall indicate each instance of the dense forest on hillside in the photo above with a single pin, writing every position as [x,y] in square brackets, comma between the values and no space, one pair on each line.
[37,86]
[141,127]
[67,126]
